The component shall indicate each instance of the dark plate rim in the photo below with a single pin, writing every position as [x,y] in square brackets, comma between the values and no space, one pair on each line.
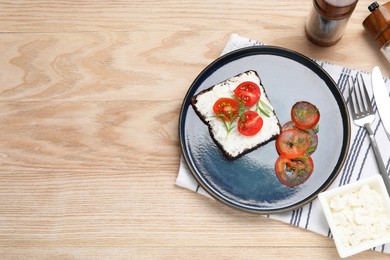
[277,51]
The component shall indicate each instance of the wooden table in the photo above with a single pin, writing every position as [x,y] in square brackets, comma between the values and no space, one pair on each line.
[89,105]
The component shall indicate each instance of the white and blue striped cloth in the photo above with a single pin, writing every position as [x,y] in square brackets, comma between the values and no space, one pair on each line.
[360,162]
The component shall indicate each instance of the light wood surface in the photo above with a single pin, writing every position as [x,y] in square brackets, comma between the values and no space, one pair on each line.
[90,93]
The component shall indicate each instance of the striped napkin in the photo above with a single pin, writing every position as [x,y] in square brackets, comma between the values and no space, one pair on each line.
[359,164]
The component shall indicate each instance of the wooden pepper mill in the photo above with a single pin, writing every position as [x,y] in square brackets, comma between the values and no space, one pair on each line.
[327,21]
[377,24]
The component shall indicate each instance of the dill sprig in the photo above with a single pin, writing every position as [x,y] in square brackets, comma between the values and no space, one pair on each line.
[263,108]
[228,124]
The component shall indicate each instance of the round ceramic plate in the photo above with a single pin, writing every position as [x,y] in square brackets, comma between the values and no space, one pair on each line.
[249,182]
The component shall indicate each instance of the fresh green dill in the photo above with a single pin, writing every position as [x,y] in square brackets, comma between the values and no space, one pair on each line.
[263,108]
[228,124]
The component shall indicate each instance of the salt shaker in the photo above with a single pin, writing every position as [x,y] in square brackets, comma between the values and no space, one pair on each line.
[327,20]
[377,24]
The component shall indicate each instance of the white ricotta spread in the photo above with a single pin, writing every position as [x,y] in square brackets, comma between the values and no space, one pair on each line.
[359,216]
[235,143]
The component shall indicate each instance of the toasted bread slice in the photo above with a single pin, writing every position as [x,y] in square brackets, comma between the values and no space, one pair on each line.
[233,144]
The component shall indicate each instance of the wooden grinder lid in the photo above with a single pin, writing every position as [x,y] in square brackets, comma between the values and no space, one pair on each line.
[377,24]
[327,9]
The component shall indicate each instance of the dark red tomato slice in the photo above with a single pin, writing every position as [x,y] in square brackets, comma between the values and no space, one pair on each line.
[293,172]
[248,92]
[226,108]
[313,141]
[250,123]
[305,115]
[288,125]
[292,143]
[312,134]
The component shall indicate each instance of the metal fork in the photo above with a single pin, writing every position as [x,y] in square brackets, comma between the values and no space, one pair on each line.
[363,115]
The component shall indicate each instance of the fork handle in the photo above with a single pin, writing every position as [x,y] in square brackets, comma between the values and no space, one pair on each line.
[378,157]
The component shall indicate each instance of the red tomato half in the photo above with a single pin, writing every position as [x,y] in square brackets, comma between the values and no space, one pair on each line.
[250,124]
[292,143]
[305,115]
[248,92]
[226,108]
[293,172]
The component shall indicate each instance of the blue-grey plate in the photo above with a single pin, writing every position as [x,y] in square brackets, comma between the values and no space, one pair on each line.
[249,183]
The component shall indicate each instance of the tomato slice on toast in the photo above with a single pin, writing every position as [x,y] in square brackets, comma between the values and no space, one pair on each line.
[248,92]
[250,123]
[226,109]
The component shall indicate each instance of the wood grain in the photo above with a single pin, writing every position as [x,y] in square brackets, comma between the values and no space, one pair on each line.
[90,95]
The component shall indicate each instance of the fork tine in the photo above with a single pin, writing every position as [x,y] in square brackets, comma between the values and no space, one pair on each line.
[351,97]
[359,96]
[358,110]
[366,96]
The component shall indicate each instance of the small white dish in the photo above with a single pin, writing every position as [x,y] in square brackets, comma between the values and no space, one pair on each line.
[349,214]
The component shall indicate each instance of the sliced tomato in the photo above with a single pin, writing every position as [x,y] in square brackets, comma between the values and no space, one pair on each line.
[248,92]
[293,172]
[313,141]
[312,135]
[288,125]
[250,123]
[292,143]
[226,109]
[305,115]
